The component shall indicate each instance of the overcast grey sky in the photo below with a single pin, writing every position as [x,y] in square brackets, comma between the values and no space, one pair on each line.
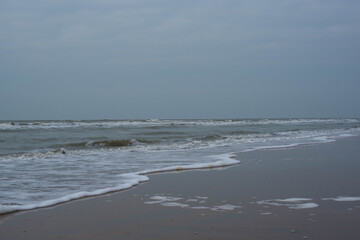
[119,59]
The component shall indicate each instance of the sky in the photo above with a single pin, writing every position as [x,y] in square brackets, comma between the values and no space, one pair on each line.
[137,59]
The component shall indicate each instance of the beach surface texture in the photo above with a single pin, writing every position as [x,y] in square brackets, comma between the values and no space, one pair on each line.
[302,192]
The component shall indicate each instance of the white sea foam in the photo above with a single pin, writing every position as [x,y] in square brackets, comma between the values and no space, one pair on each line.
[63,173]
[201,197]
[293,200]
[227,160]
[304,206]
[174,204]
[162,199]
[266,213]
[343,199]
[156,122]
[292,203]
[225,207]
[166,201]
[165,198]
[133,180]
[200,207]
[170,201]
[299,138]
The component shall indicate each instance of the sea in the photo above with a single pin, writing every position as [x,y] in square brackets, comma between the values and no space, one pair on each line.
[43,163]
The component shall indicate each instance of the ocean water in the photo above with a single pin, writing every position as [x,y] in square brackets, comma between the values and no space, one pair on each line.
[43,163]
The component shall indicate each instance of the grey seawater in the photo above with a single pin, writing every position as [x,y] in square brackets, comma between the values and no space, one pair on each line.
[46,162]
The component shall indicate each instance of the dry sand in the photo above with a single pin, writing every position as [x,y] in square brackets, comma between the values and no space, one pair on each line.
[232,203]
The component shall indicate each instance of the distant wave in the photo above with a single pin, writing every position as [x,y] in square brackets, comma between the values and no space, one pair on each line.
[19,125]
[191,143]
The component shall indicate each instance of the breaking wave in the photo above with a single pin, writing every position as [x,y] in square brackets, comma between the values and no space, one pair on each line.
[129,180]
[23,125]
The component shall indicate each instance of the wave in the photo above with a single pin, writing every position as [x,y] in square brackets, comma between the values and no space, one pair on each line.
[194,143]
[138,175]
[209,137]
[113,143]
[64,167]
[23,125]
[104,143]
[132,179]
[225,161]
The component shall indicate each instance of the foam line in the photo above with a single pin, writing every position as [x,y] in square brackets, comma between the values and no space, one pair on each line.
[227,160]
[134,180]
[226,207]
[343,199]
[291,203]
[156,122]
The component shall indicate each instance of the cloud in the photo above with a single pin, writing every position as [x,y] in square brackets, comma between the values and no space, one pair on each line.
[129,32]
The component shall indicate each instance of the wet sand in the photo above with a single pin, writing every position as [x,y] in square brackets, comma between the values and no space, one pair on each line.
[233,203]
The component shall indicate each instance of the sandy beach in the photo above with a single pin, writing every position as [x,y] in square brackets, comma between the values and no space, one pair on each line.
[305,192]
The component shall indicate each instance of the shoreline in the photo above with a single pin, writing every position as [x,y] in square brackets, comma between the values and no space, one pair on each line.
[216,199]
[228,160]
[138,178]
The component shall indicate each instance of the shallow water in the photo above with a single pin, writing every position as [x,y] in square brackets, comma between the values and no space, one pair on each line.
[46,162]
